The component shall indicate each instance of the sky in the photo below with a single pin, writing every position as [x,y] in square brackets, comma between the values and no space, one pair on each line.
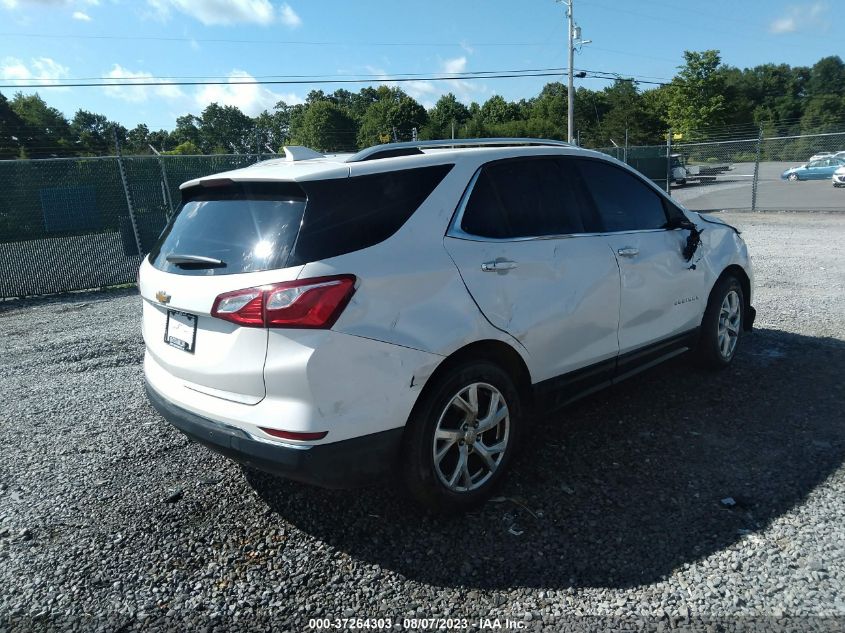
[44,40]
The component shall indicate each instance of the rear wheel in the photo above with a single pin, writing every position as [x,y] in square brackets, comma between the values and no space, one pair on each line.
[461,437]
[721,327]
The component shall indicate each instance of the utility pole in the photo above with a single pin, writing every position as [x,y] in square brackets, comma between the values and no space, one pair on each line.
[573,40]
[570,90]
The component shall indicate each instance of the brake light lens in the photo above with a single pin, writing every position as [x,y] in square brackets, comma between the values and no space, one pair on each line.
[314,303]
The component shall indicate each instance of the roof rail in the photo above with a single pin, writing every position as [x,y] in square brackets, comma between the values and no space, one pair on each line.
[400,149]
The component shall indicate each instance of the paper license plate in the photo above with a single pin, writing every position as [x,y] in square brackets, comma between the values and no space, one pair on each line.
[181,330]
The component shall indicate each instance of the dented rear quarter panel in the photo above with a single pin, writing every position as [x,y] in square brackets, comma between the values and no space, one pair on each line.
[409,291]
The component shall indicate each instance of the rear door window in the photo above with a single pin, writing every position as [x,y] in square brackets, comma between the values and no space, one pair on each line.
[523,198]
[245,227]
[622,200]
[348,214]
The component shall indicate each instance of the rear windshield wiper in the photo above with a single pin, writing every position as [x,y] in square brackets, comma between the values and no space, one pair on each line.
[195,261]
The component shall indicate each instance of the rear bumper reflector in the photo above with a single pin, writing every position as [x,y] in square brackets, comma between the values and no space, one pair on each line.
[292,435]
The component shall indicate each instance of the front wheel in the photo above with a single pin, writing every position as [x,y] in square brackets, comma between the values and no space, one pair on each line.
[721,327]
[461,437]
[794,178]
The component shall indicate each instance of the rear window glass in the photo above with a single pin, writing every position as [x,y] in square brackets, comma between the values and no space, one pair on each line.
[245,228]
[347,214]
[256,226]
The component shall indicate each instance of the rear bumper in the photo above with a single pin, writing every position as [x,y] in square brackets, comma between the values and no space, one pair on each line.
[346,464]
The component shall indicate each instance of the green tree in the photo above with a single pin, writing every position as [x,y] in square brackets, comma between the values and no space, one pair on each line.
[11,127]
[187,129]
[160,139]
[394,111]
[226,130]
[45,131]
[92,134]
[275,126]
[326,127]
[697,99]
[186,148]
[138,140]
[827,77]
[497,110]
[446,111]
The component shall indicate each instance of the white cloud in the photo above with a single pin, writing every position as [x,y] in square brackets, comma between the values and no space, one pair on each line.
[289,17]
[801,17]
[15,4]
[454,66]
[81,16]
[463,90]
[40,70]
[138,94]
[427,92]
[783,25]
[251,99]
[211,12]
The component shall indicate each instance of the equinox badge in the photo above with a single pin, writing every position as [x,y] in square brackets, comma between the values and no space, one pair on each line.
[162,297]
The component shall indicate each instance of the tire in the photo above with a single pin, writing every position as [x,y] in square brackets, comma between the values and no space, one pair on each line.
[441,485]
[721,326]
[793,178]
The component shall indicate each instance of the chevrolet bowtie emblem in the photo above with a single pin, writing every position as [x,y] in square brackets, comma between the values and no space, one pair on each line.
[162,297]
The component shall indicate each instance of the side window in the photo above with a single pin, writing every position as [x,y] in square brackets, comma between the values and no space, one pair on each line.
[522,198]
[623,201]
[343,215]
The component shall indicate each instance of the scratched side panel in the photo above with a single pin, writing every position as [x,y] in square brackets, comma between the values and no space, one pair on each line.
[721,246]
[409,291]
[561,301]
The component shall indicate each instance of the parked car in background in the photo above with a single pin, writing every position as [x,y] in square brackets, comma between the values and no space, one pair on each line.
[336,318]
[839,177]
[820,155]
[821,169]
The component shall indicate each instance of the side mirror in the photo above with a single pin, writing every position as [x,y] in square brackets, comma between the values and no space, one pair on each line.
[679,222]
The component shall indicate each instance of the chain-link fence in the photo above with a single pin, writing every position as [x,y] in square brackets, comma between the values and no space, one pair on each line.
[76,223]
[71,224]
[764,173]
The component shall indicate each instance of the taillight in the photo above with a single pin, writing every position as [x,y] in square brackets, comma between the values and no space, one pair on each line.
[305,303]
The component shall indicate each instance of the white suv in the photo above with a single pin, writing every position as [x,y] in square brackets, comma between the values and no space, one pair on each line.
[336,318]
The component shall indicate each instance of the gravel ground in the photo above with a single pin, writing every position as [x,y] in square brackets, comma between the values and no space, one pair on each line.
[111,520]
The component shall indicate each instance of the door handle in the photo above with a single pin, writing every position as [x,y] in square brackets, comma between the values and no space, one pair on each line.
[628,251]
[498,266]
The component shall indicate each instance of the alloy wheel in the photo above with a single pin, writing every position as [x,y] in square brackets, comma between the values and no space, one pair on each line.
[471,437]
[730,316]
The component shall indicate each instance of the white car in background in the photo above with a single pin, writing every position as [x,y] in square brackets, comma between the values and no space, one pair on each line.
[821,155]
[335,319]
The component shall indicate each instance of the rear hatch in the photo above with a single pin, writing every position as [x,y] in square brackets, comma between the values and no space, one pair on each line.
[225,237]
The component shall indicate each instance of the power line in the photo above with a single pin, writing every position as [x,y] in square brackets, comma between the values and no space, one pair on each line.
[223,40]
[316,79]
[262,82]
[312,76]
